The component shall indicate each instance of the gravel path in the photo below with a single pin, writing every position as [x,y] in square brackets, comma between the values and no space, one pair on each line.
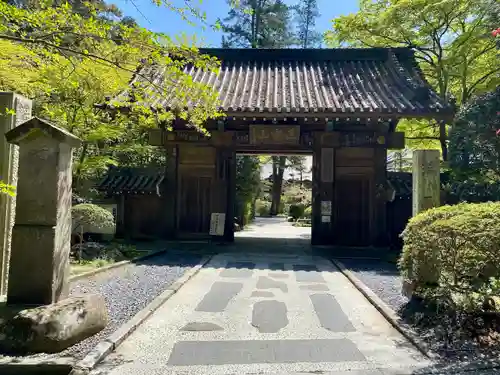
[456,353]
[129,289]
[381,277]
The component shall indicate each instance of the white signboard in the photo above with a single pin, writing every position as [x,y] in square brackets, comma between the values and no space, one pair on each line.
[325,219]
[217,223]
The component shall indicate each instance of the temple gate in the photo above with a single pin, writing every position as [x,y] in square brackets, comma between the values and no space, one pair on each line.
[341,106]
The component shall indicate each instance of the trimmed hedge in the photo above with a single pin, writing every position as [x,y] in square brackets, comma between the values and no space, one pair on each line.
[452,247]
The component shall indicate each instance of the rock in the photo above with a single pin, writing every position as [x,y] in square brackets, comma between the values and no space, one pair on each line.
[53,328]
[87,250]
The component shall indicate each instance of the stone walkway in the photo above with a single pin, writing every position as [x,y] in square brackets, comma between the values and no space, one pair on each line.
[274,228]
[257,314]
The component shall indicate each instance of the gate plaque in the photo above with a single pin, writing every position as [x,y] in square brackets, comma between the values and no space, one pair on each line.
[274,135]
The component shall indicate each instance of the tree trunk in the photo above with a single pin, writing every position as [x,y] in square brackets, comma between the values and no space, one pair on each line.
[279,164]
[442,140]
[254,201]
[80,251]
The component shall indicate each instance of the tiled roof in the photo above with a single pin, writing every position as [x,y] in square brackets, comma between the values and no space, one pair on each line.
[131,180]
[378,81]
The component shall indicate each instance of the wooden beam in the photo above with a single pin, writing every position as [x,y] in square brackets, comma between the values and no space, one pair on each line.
[363,139]
[396,140]
[243,139]
[354,116]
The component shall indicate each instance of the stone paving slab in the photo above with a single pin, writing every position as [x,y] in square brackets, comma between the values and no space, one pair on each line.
[261,319]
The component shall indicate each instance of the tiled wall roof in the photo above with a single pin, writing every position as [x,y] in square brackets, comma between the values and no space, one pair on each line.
[132,180]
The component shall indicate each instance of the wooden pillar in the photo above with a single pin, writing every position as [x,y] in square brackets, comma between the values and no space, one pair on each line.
[225,180]
[380,236]
[220,189]
[169,192]
[121,216]
[323,189]
[229,182]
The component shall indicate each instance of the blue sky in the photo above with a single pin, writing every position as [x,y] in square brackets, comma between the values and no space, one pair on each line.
[163,20]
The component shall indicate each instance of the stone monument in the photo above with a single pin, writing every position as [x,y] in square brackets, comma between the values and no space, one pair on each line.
[426,194]
[42,318]
[426,180]
[14,110]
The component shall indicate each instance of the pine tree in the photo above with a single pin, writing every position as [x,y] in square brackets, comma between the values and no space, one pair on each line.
[306,14]
[258,24]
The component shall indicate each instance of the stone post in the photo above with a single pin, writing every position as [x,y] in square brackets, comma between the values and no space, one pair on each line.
[14,110]
[426,195]
[39,264]
[426,180]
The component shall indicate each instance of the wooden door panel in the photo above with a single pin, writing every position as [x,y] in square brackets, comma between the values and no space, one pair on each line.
[352,211]
[194,213]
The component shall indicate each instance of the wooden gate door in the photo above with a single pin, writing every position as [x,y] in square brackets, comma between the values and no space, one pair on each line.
[196,176]
[194,204]
[352,211]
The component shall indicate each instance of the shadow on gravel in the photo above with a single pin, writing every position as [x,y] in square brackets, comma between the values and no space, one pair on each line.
[456,336]
[373,266]
[476,368]
[170,259]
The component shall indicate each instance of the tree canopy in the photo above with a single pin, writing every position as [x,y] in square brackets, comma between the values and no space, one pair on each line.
[70,56]
[453,44]
[475,141]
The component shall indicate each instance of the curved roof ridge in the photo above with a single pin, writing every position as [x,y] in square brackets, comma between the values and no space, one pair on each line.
[306,54]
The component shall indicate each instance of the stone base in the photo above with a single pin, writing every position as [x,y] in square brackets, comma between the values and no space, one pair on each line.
[51,328]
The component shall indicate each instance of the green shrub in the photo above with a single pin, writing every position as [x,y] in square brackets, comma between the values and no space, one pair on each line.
[247,213]
[87,215]
[308,212]
[263,207]
[455,248]
[296,211]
